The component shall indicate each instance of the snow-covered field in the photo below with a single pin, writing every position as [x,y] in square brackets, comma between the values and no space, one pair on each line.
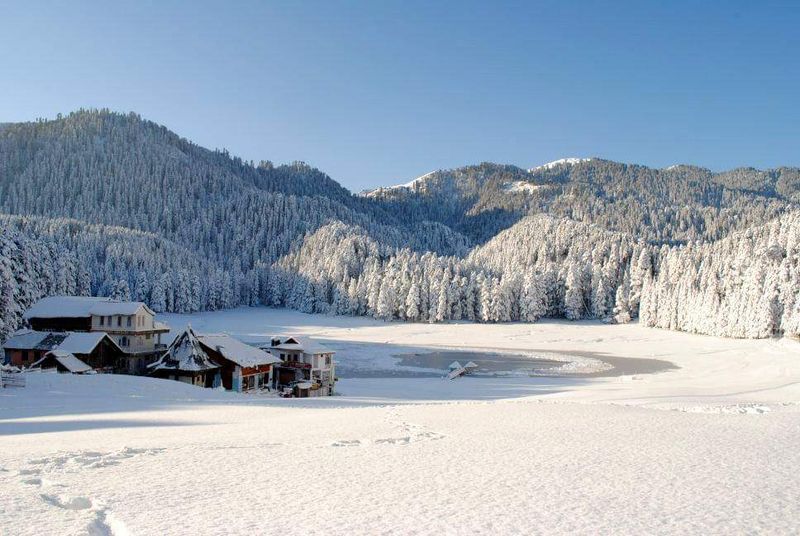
[708,447]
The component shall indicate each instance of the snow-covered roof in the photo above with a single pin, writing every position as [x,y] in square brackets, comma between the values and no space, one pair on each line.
[67,341]
[303,344]
[455,365]
[82,343]
[67,360]
[185,354]
[234,350]
[25,339]
[559,162]
[82,306]
[471,365]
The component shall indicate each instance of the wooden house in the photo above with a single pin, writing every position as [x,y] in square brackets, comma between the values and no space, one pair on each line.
[96,349]
[131,325]
[305,366]
[187,361]
[242,367]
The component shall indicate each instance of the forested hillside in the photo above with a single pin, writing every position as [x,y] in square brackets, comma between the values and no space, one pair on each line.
[746,285]
[672,205]
[111,204]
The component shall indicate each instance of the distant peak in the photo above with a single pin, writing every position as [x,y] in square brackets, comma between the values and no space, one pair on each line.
[412,183]
[559,162]
[405,186]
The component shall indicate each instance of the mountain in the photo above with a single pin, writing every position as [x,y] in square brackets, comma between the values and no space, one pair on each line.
[130,209]
[674,205]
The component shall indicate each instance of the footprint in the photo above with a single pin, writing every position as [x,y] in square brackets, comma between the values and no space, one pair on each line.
[67,503]
[394,441]
[23,472]
[347,443]
[106,524]
[33,481]
[430,436]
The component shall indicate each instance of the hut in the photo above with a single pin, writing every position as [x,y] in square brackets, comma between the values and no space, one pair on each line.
[186,361]
[62,361]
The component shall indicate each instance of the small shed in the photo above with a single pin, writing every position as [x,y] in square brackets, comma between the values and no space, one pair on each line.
[63,362]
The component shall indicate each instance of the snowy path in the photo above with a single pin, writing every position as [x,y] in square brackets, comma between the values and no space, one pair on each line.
[117,455]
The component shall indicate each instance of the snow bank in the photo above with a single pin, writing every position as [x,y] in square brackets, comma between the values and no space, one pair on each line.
[119,454]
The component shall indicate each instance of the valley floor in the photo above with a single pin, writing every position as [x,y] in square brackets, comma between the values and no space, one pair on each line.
[706,446]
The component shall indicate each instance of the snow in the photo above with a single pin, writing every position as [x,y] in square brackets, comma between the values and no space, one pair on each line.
[69,361]
[24,339]
[704,448]
[242,354]
[523,186]
[82,343]
[71,342]
[410,185]
[559,162]
[80,306]
[303,344]
[185,354]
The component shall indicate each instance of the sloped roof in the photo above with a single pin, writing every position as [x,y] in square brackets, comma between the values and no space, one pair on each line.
[81,307]
[66,359]
[25,339]
[83,343]
[305,344]
[234,350]
[67,341]
[185,354]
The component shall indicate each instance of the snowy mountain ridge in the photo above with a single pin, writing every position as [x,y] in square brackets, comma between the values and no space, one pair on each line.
[560,162]
[186,229]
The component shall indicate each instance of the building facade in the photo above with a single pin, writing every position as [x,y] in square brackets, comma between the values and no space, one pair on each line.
[131,325]
[305,367]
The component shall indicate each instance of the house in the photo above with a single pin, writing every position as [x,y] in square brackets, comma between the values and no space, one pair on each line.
[96,349]
[62,362]
[187,361]
[242,367]
[130,324]
[306,367]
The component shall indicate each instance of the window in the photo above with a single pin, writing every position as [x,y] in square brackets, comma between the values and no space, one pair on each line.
[102,320]
[119,321]
[147,336]
[328,360]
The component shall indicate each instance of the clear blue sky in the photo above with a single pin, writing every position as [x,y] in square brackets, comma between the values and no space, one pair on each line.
[375,93]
